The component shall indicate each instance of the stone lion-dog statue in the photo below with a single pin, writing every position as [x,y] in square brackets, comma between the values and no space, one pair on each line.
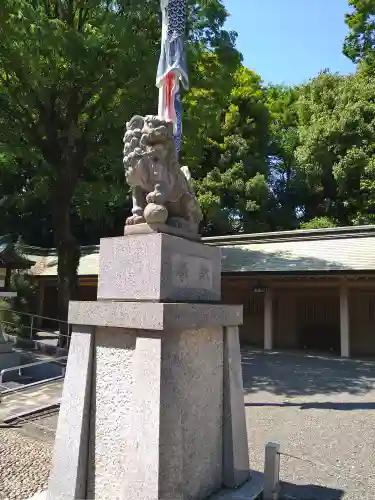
[162,191]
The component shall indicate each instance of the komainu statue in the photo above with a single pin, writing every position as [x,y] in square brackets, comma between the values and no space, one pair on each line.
[162,190]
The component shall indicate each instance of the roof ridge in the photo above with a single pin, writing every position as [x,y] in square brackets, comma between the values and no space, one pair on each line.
[293,235]
[288,235]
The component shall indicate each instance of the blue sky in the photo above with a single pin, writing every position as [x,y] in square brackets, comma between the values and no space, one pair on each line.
[290,41]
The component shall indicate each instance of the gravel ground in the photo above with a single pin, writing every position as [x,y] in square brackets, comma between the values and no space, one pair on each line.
[320,410]
[24,465]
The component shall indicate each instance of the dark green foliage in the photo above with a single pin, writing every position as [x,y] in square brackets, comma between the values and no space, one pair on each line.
[71,73]
[263,157]
[232,183]
[318,223]
[337,144]
[25,302]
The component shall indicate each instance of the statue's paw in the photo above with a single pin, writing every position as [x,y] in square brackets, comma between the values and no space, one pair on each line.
[129,221]
[155,197]
[134,219]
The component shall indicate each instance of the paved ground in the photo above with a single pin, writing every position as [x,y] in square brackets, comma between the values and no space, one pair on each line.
[318,409]
[29,399]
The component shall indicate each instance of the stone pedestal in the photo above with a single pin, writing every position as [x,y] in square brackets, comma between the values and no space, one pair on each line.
[8,357]
[158,267]
[152,406]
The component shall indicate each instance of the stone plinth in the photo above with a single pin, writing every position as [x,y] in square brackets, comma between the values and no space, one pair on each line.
[158,267]
[152,407]
[8,357]
[154,315]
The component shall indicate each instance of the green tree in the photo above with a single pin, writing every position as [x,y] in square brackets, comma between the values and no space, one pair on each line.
[359,45]
[233,175]
[67,66]
[72,72]
[204,103]
[337,146]
[286,185]
[319,223]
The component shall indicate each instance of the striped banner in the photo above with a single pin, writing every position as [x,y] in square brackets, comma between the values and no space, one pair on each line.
[172,68]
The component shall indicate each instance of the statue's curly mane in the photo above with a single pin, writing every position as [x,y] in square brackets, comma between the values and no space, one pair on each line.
[132,141]
[142,134]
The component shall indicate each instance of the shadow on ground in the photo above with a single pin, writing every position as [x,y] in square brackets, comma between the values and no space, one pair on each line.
[298,375]
[310,492]
[319,406]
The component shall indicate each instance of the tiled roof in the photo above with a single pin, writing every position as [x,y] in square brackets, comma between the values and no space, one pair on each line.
[10,257]
[46,265]
[339,249]
[345,254]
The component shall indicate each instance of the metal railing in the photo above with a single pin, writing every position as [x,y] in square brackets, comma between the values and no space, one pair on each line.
[24,387]
[28,365]
[36,335]
[32,328]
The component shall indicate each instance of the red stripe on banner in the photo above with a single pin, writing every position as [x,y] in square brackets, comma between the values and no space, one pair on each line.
[169,91]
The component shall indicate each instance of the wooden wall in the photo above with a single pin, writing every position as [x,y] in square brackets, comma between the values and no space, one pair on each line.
[306,314]
[362,322]
[307,318]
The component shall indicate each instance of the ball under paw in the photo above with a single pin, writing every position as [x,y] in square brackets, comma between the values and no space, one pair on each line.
[155,214]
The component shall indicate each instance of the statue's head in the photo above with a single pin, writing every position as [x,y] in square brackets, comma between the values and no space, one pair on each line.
[150,137]
[135,123]
[157,129]
[157,135]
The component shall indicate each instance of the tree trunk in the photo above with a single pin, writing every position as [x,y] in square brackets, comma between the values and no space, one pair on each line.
[65,152]
[68,252]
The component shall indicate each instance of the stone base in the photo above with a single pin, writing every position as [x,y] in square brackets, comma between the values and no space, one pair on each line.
[158,267]
[251,490]
[8,357]
[152,406]
[153,316]
[160,228]
[143,409]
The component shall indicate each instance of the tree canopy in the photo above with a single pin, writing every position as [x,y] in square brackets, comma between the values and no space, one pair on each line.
[72,73]
[264,157]
[232,180]
[336,150]
[359,44]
